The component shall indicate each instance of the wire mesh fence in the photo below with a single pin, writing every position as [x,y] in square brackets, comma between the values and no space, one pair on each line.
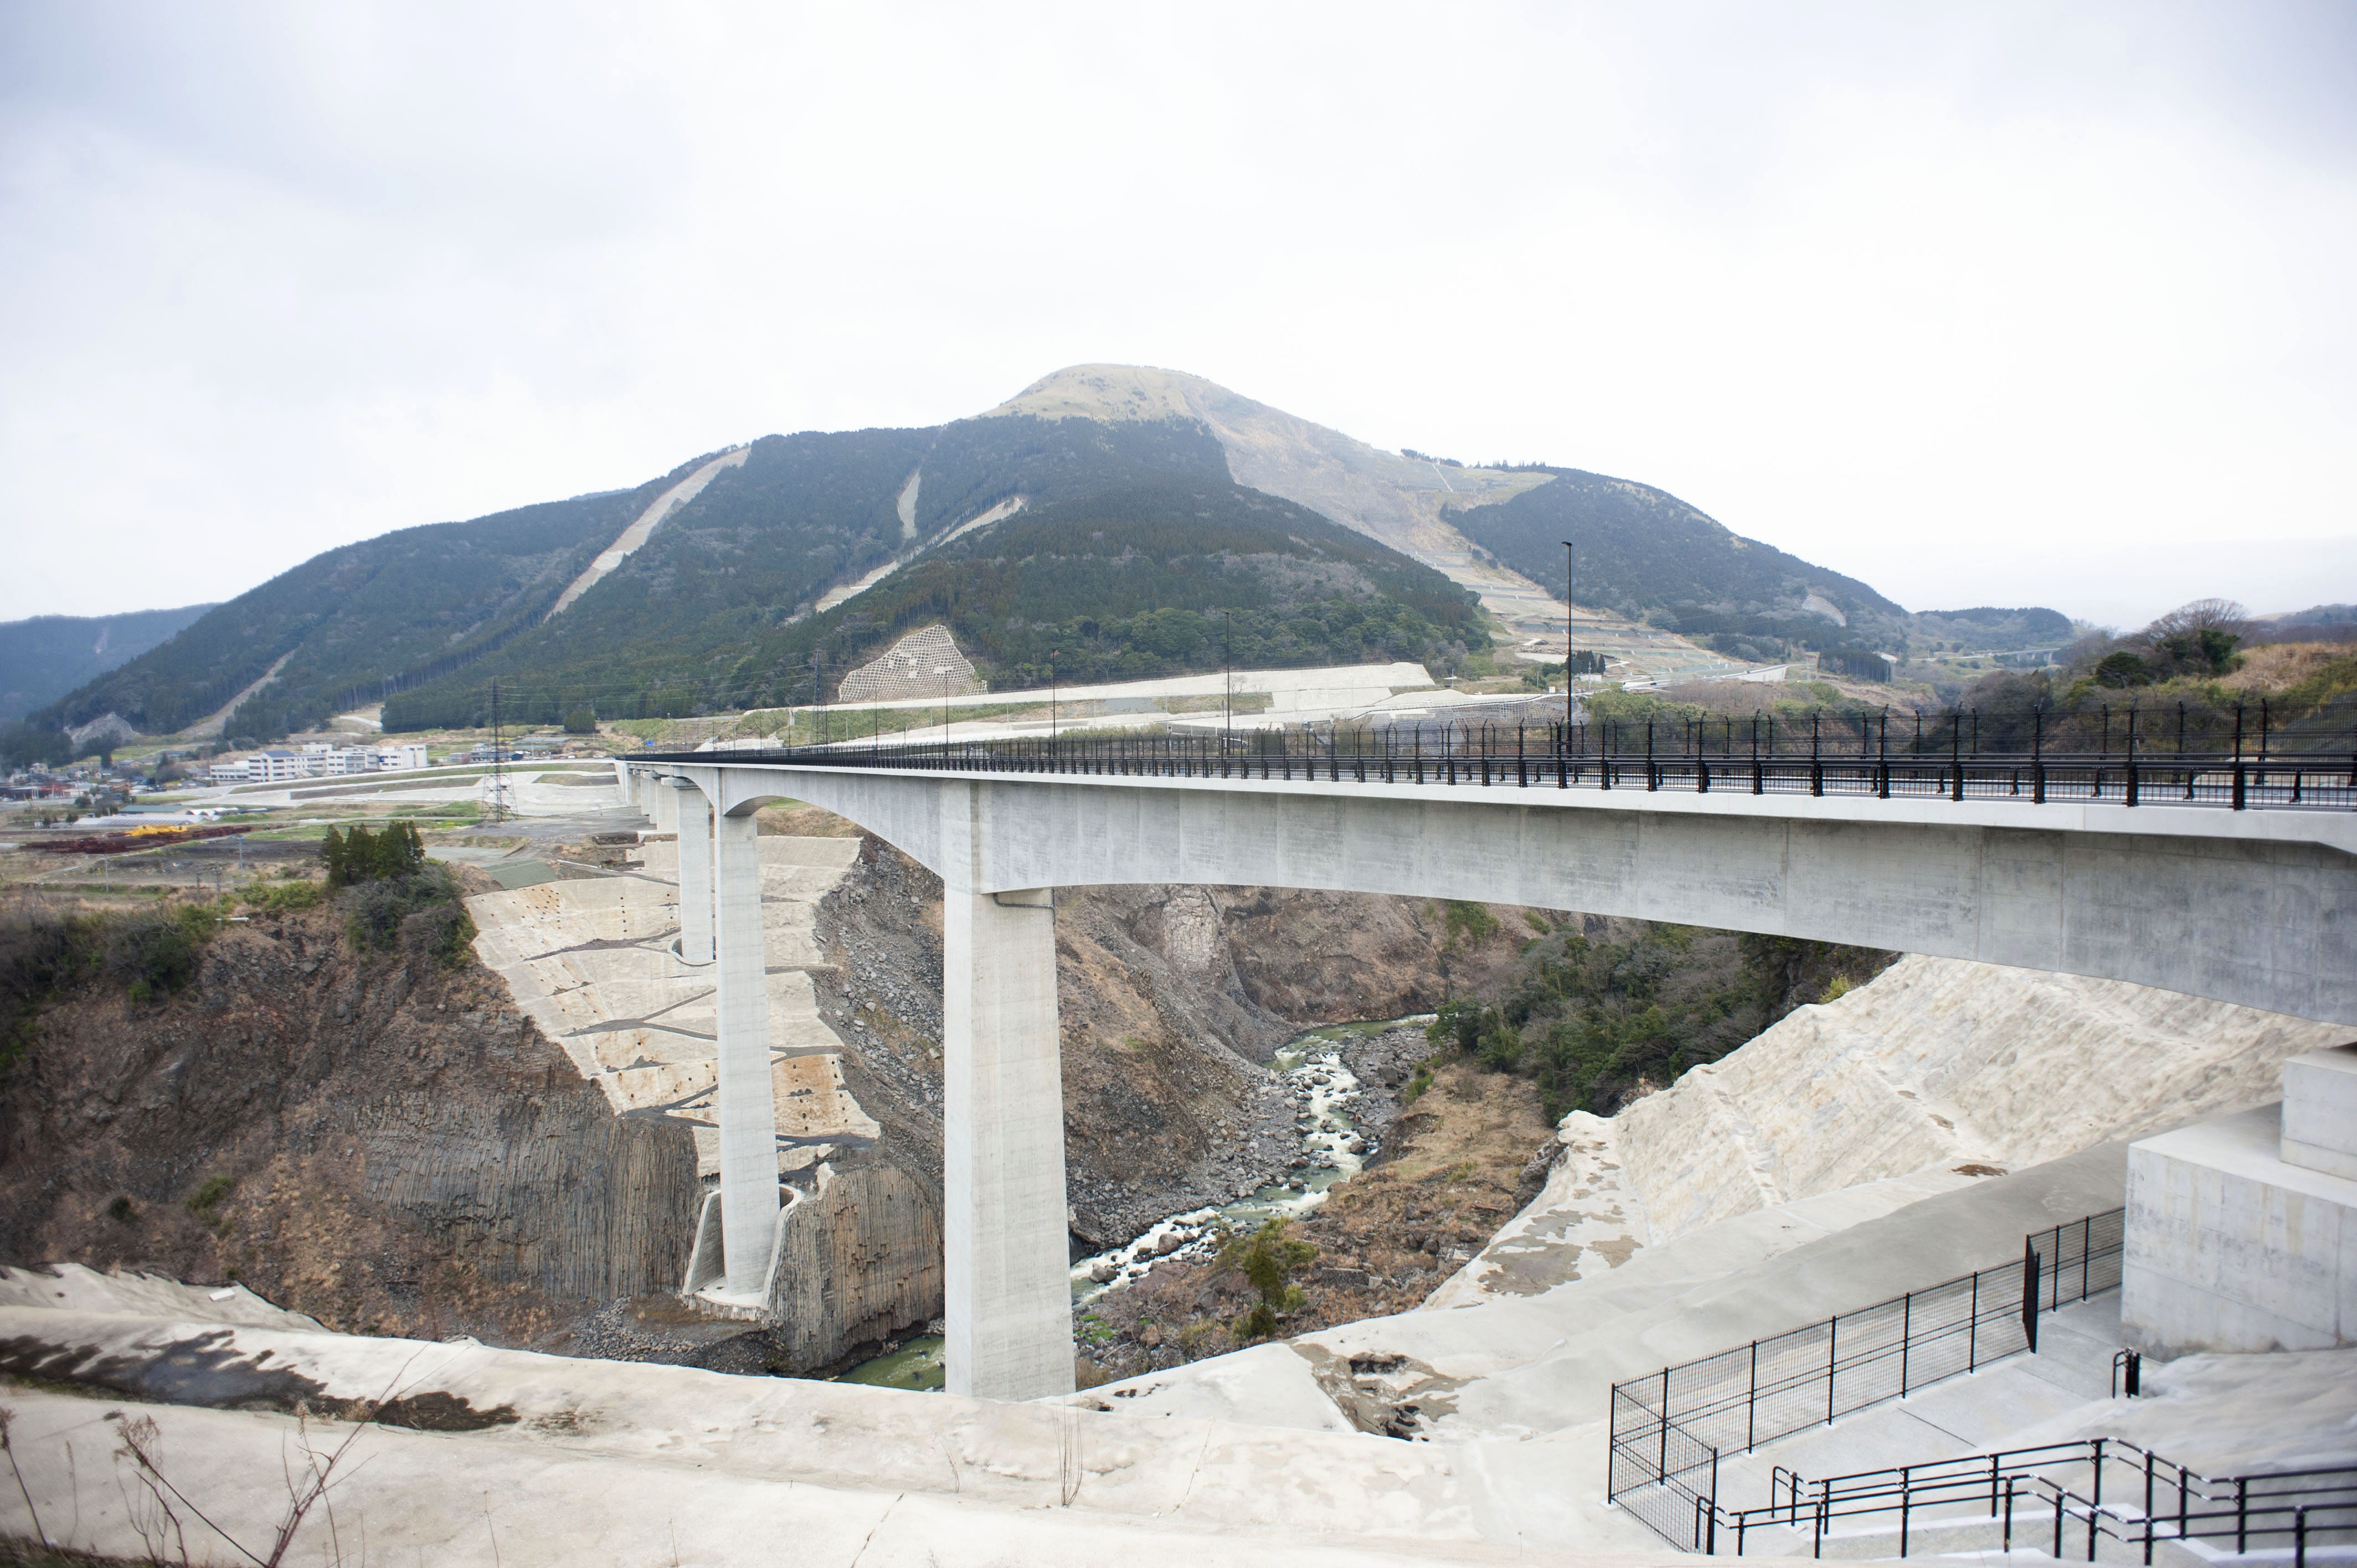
[1669,1429]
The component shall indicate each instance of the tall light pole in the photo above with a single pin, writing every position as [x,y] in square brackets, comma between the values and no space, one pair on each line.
[1051,692]
[1567,677]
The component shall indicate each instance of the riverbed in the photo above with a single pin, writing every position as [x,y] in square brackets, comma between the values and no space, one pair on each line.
[1330,1104]
[1340,1118]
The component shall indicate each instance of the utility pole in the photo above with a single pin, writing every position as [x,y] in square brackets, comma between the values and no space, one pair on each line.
[498,758]
[1228,679]
[1051,692]
[1568,679]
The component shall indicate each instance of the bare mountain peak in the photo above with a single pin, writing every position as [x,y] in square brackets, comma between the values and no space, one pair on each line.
[1116,393]
[1388,496]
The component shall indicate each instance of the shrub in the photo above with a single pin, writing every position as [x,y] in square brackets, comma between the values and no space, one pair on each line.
[283,897]
[420,913]
[155,952]
[209,1194]
[1267,1260]
[122,1212]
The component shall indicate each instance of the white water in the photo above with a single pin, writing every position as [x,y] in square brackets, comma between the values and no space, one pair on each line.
[1327,1131]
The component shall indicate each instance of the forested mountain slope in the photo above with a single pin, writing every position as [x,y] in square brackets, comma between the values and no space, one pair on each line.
[406,605]
[45,657]
[1122,583]
[1639,549]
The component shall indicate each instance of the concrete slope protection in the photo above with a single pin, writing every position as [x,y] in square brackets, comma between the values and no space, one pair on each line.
[599,965]
[1941,1071]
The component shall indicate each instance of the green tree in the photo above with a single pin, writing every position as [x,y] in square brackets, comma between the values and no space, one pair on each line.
[1269,1260]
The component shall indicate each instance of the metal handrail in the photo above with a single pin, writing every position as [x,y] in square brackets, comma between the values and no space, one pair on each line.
[1700,760]
[2174,1503]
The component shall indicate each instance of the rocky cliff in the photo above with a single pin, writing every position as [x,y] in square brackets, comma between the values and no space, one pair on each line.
[377,1139]
[1171,1001]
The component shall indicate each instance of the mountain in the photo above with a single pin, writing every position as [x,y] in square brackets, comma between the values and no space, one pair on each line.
[45,657]
[1125,582]
[1637,548]
[739,576]
[340,628]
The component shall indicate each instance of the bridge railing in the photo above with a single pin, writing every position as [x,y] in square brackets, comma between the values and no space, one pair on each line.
[2079,756]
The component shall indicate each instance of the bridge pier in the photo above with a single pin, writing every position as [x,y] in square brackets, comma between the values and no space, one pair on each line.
[692,820]
[1005,1223]
[747,1102]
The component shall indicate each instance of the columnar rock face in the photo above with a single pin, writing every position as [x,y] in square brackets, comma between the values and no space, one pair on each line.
[377,1139]
[925,663]
[858,1261]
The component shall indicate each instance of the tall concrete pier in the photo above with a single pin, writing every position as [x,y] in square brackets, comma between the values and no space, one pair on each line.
[2255,907]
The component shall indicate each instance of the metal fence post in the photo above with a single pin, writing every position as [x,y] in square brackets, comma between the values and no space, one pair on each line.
[1906,1343]
[2029,1295]
[1751,1402]
[1973,1328]
[1661,1470]
[1833,1338]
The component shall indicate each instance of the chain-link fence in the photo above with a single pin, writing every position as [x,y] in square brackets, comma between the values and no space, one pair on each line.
[1668,1429]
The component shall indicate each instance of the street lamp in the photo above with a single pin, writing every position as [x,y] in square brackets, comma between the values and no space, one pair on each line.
[1051,692]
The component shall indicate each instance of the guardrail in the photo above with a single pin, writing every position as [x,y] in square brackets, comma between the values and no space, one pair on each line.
[2308,769]
[1669,1430]
[2124,1494]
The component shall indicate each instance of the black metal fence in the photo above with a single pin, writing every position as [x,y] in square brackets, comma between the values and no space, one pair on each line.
[2079,756]
[2061,1497]
[1670,1429]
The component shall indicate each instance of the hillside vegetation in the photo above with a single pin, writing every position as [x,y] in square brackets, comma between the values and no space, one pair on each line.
[43,658]
[1638,549]
[405,606]
[1123,584]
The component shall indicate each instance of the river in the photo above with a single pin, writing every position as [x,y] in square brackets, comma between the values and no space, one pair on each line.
[1322,1091]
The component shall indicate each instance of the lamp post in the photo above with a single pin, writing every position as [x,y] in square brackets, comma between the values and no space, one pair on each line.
[1051,693]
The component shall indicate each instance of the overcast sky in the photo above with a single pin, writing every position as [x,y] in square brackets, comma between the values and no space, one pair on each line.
[1987,303]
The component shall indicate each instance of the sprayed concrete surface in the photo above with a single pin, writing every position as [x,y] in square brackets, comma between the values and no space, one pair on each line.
[1940,1072]
[593,963]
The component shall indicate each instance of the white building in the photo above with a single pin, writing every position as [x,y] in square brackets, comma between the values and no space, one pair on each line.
[235,771]
[407,754]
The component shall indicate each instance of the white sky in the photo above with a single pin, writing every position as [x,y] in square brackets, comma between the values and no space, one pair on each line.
[1987,303]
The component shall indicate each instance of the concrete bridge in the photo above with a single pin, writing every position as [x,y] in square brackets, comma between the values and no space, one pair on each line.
[2252,906]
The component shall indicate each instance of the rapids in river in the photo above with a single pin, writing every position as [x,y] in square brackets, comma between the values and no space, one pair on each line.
[1321,1091]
